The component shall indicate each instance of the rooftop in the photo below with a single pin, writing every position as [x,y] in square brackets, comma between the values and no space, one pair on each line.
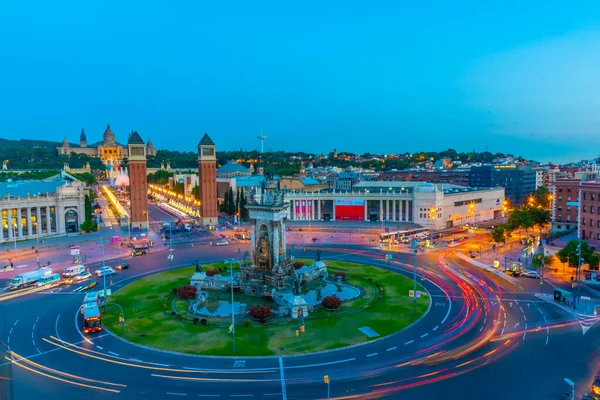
[34,188]
[232,166]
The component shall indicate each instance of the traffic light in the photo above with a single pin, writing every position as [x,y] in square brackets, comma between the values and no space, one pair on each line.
[297,332]
[302,328]
[326,379]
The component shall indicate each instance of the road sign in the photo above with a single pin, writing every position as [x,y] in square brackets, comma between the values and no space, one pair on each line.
[74,250]
[108,292]
[585,298]
[573,203]
[411,293]
[418,294]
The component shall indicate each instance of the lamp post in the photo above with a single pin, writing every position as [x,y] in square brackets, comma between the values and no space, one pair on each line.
[103,242]
[37,238]
[415,279]
[572,385]
[15,237]
[389,255]
[122,316]
[232,304]
[543,267]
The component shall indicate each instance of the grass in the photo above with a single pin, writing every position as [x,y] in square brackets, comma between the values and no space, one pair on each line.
[147,323]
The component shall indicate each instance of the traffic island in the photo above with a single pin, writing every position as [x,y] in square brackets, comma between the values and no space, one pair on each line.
[157,316]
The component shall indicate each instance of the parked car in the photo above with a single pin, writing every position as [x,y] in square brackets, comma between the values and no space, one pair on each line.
[85,275]
[222,243]
[123,266]
[138,253]
[105,271]
[531,274]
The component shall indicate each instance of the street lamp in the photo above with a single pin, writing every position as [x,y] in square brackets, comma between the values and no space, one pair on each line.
[232,302]
[541,246]
[415,278]
[103,242]
[15,237]
[122,315]
[37,238]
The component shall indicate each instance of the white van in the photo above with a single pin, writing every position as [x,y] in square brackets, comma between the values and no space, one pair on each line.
[73,271]
[50,280]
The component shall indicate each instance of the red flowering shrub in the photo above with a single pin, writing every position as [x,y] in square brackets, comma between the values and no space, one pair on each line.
[331,302]
[298,264]
[213,271]
[187,291]
[260,313]
[341,274]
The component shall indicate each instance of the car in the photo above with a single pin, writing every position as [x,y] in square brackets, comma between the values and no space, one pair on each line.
[596,385]
[123,266]
[222,243]
[531,274]
[138,253]
[82,277]
[105,271]
[513,272]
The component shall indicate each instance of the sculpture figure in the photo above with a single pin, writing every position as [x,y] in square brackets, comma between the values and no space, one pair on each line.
[264,259]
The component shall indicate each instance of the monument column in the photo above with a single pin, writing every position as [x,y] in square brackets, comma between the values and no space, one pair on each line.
[275,248]
[207,180]
[138,183]
[387,209]
[48,221]
[1,226]
[381,210]
[29,227]
[366,210]
[38,229]
[9,223]
[403,210]
[333,207]
[19,223]
[394,210]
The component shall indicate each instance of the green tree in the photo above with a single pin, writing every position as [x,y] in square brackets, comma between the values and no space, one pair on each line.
[88,208]
[520,218]
[231,203]
[500,233]
[243,202]
[542,197]
[540,217]
[225,204]
[570,252]
[89,226]
[196,192]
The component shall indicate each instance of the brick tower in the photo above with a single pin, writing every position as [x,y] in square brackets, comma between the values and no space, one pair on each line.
[138,183]
[207,180]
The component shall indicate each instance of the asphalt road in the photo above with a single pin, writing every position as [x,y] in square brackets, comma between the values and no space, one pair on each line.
[483,338]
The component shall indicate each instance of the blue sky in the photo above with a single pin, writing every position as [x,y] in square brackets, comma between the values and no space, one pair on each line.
[380,77]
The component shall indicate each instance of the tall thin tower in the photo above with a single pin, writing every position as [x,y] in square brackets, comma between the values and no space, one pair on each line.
[260,170]
[138,182]
[207,180]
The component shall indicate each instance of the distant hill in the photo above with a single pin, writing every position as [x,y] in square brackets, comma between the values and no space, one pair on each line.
[11,144]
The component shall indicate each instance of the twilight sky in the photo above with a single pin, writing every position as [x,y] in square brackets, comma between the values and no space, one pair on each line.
[377,76]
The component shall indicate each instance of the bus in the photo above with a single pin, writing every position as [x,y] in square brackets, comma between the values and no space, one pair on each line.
[92,322]
[403,236]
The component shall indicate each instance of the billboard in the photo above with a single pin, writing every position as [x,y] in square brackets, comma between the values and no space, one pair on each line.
[349,210]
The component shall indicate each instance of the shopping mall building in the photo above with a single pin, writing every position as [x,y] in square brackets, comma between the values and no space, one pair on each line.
[435,206]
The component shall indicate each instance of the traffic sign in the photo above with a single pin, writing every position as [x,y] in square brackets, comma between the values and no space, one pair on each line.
[74,250]
[418,294]
[585,298]
[411,293]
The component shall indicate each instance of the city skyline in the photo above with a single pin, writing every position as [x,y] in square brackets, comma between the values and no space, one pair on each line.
[392,79]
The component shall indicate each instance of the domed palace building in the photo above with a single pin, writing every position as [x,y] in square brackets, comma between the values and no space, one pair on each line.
[108,150]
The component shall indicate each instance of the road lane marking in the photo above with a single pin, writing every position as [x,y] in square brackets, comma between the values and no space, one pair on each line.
[114,354]
[320,364]
[372,354]
[547,337]
[409,342]
[101,348]
[136,360]
[525,332]
[177,394]
[241,395]
[422,336]
[391,348]
[437,326]
[271,394]
[212,395]
[283,394]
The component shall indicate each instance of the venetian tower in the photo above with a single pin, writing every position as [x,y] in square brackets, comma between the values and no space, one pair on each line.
[207,180]
[138,183]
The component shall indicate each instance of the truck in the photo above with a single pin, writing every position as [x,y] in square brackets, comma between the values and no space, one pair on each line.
[28,278]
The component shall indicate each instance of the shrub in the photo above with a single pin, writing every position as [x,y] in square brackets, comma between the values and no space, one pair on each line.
[173,314]
[248,324]
[298,264]
[203,322]
[260,313]
[187,292]
[341,274]
[196,319]
[331,302]
[212,271]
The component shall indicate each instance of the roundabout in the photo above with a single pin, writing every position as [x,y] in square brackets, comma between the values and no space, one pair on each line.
[157,317]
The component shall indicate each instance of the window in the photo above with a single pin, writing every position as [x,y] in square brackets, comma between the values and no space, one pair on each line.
[559,190]
[598,236]
[559,227]
[584,208]
[559,198]
[568,198]
[598,223]
[584,222]
[591,209]
[568,190]
[559,218]
[592,195]
[584,195]
[559,208]
[591,222]
[583,234]
[568,218]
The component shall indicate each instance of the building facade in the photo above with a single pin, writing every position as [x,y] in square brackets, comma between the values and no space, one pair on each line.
[232,169]
[564,216]
[138,183]
[458,177]
[589,213]
[429,205]
[519,181]
[108,149]
[207,180]
[33,209]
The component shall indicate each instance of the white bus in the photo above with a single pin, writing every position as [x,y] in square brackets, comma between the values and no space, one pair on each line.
[404,236]
[50,280]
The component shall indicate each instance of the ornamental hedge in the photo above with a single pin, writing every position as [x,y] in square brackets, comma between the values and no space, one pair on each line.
[341,274]
[331,302]
[298,264]
[187,292]
[213,271]
[260,313]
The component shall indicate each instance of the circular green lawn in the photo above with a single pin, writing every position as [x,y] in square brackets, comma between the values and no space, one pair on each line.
[155,317]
